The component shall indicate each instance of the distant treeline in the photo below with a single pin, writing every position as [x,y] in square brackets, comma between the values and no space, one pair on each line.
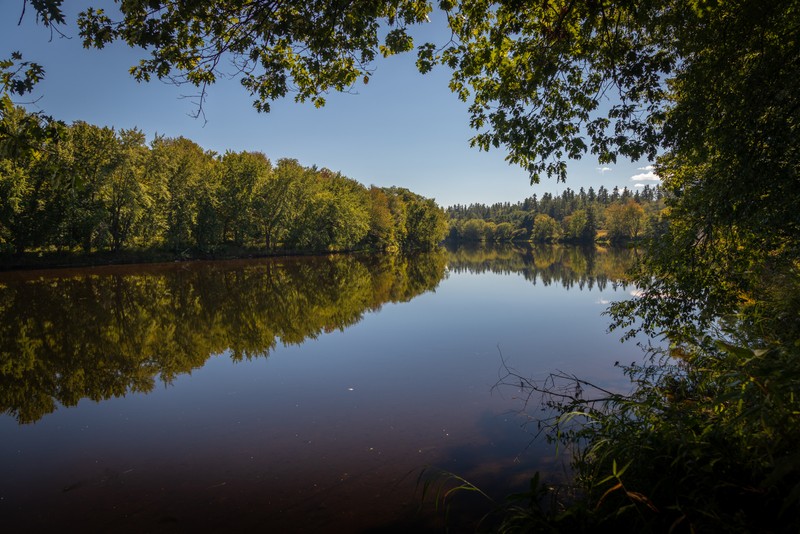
[584,216]
[84,188]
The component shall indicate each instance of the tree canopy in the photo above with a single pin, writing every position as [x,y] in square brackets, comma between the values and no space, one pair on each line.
[98,189]
[705,89]
[307,47]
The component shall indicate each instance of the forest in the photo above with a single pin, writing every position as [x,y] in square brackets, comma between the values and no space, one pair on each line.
[707,91]
[574,217]
[80,188]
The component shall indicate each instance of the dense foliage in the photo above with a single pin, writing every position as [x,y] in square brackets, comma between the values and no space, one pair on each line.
[704,442]
[706,89]
[308,47]
[85,187]
[710,91]
[581,217]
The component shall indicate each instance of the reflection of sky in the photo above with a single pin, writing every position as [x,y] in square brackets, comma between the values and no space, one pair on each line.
[407,386]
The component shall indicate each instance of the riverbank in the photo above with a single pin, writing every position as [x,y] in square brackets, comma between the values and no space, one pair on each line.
[61,259]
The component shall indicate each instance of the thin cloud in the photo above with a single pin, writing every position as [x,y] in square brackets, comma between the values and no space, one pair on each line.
[638,185]
[649,176]
[647,168]
[603,170]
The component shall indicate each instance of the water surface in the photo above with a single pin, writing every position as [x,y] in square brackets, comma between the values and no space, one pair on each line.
[289,394]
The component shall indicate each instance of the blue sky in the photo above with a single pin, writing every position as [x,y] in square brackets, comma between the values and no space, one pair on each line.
[402,129]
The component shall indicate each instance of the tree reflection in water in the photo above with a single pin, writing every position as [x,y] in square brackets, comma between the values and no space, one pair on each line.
[102,333]
[106,332]
[584,267]
[322,436]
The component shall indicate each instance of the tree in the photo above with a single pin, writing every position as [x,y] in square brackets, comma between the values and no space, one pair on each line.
[29,177]
[590,228]
[242,177]
[474,230]
[276,201]
[504,232]
[489,230]
[177,166]
[347,218]
[575,225]
[125,195]
[381,228]
[545,228]
[425,222]
[88,168]
[332,213]
[625,221]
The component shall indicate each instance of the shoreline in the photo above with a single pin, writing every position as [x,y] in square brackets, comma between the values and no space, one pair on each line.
[31,261]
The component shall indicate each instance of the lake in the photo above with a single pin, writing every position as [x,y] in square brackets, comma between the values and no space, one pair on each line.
[288,394]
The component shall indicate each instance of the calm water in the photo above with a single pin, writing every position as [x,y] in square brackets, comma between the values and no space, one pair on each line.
[298,395]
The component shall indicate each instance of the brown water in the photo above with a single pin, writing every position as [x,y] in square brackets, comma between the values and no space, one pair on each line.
[300,395]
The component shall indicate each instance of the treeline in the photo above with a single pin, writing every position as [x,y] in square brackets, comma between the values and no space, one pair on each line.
[577,217]
[114,332]
[87,188]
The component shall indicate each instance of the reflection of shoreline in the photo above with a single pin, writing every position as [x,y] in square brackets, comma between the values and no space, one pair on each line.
[161,267]
[105,332]
[571,266]
[136,260]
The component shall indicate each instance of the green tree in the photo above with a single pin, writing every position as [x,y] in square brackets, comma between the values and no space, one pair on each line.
[381,225]
[124,195]
[575,225]
[180,165]
[209,229]
[29,177]
[425,223]
[89,168]
[474,230]
[504,232]
[399,211]
[243,175]
[624,221]
[590,228]
[276,201]
[545,229]
[489,231]
[345,220]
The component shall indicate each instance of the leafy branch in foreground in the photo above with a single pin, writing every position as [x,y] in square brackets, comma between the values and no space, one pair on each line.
[274,48]
[18,77]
